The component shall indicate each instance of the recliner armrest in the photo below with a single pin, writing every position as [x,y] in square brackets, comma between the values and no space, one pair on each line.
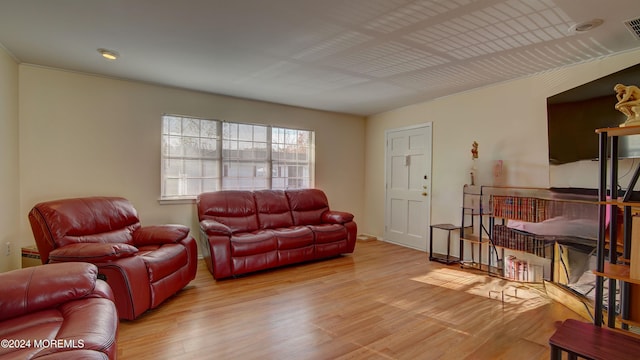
[212,227]
[336,217]
[92,252]
[43,287]
[160,234]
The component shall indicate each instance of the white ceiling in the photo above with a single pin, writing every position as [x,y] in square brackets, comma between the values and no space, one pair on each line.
[354,56]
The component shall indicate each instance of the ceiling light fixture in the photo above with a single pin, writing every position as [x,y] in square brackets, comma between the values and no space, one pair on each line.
[108,54]
[586,25]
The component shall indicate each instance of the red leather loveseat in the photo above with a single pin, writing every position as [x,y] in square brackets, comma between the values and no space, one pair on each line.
[247,231]
[58,311]
[143,265]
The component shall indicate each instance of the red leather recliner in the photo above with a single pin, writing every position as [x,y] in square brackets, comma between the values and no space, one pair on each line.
[58,311]
[143,265]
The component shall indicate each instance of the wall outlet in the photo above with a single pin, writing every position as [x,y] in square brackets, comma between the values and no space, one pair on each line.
[8,252]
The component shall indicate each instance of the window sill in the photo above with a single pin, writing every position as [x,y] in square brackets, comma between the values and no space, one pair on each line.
[176,201]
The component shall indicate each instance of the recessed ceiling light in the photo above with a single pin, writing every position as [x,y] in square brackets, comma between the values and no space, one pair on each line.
[108,54]
[586,25]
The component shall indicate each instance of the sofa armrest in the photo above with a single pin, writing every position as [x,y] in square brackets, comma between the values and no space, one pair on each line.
[160,234]
[212,227]
[43,287]
[92,252]
[336,217]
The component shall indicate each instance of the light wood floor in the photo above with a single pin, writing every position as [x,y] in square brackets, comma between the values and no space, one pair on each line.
[382,302]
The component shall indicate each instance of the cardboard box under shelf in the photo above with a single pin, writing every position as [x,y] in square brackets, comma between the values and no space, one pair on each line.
[365,237]
[30,256]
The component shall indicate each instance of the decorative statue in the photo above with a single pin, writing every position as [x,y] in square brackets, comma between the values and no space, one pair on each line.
[628,103]
[474,150]
[474,156]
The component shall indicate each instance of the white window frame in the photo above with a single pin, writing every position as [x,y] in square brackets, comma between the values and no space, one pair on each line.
[284,155]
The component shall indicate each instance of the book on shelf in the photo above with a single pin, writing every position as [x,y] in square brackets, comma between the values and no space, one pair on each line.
[522,270]
[504,236]
[520,208]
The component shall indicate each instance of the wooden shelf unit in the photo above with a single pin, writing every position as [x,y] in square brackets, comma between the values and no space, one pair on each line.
[618,272]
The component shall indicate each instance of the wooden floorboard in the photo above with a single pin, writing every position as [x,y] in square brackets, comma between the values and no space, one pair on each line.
[382,302]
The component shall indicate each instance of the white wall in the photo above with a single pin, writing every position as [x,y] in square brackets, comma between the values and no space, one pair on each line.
[83,135]
[9,181]
[508,121]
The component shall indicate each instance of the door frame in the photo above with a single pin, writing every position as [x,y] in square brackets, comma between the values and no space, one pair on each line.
[429,158]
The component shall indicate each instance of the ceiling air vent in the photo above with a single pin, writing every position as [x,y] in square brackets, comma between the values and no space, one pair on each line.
[633,26]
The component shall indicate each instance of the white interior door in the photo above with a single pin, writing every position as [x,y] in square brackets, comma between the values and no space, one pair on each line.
[408,186]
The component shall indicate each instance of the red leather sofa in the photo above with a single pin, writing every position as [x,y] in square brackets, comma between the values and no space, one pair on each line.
[247,231]
[143,265]
[58,311]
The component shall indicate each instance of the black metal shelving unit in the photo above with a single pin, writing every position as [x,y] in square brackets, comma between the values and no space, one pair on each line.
[484,225]
[473,206]
[613,263]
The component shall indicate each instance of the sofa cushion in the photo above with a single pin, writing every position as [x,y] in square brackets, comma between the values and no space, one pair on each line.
[160,234]
[235,209]
[92,219]
[40,287]
[57,309]
[337,217]
[292,256]
[122,236]
[244,244]
[293,237]
[251,263]
[41,322]
[307,205]
[97,334]
[69,322]
[77,354]
[92,252]
[162,260]
[273,209]
[327,233]
[32,326]
[212,227]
